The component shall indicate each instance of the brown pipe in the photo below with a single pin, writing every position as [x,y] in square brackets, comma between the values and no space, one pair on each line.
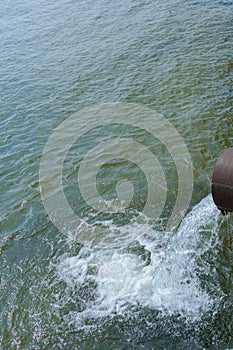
[222,181]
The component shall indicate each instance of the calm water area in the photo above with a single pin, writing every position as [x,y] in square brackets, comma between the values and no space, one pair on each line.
[143,287]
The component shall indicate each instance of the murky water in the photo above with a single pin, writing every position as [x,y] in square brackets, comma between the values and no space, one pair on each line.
[141,286]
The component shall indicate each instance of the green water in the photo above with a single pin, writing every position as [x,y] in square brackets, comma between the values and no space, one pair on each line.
[61,57]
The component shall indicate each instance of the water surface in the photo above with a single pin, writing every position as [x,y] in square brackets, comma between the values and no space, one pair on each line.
[165,291]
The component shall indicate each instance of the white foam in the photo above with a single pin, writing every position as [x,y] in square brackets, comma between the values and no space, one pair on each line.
[167,281]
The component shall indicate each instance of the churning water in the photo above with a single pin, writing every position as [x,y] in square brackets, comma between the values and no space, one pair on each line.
[161,275]
[142,286]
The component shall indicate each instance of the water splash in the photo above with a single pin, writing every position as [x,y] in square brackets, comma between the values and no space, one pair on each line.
[158,272]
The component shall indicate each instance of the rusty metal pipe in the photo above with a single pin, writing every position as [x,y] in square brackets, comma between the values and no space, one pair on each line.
[222,181]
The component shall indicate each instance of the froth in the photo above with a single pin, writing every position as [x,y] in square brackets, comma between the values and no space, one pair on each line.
[160,273]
